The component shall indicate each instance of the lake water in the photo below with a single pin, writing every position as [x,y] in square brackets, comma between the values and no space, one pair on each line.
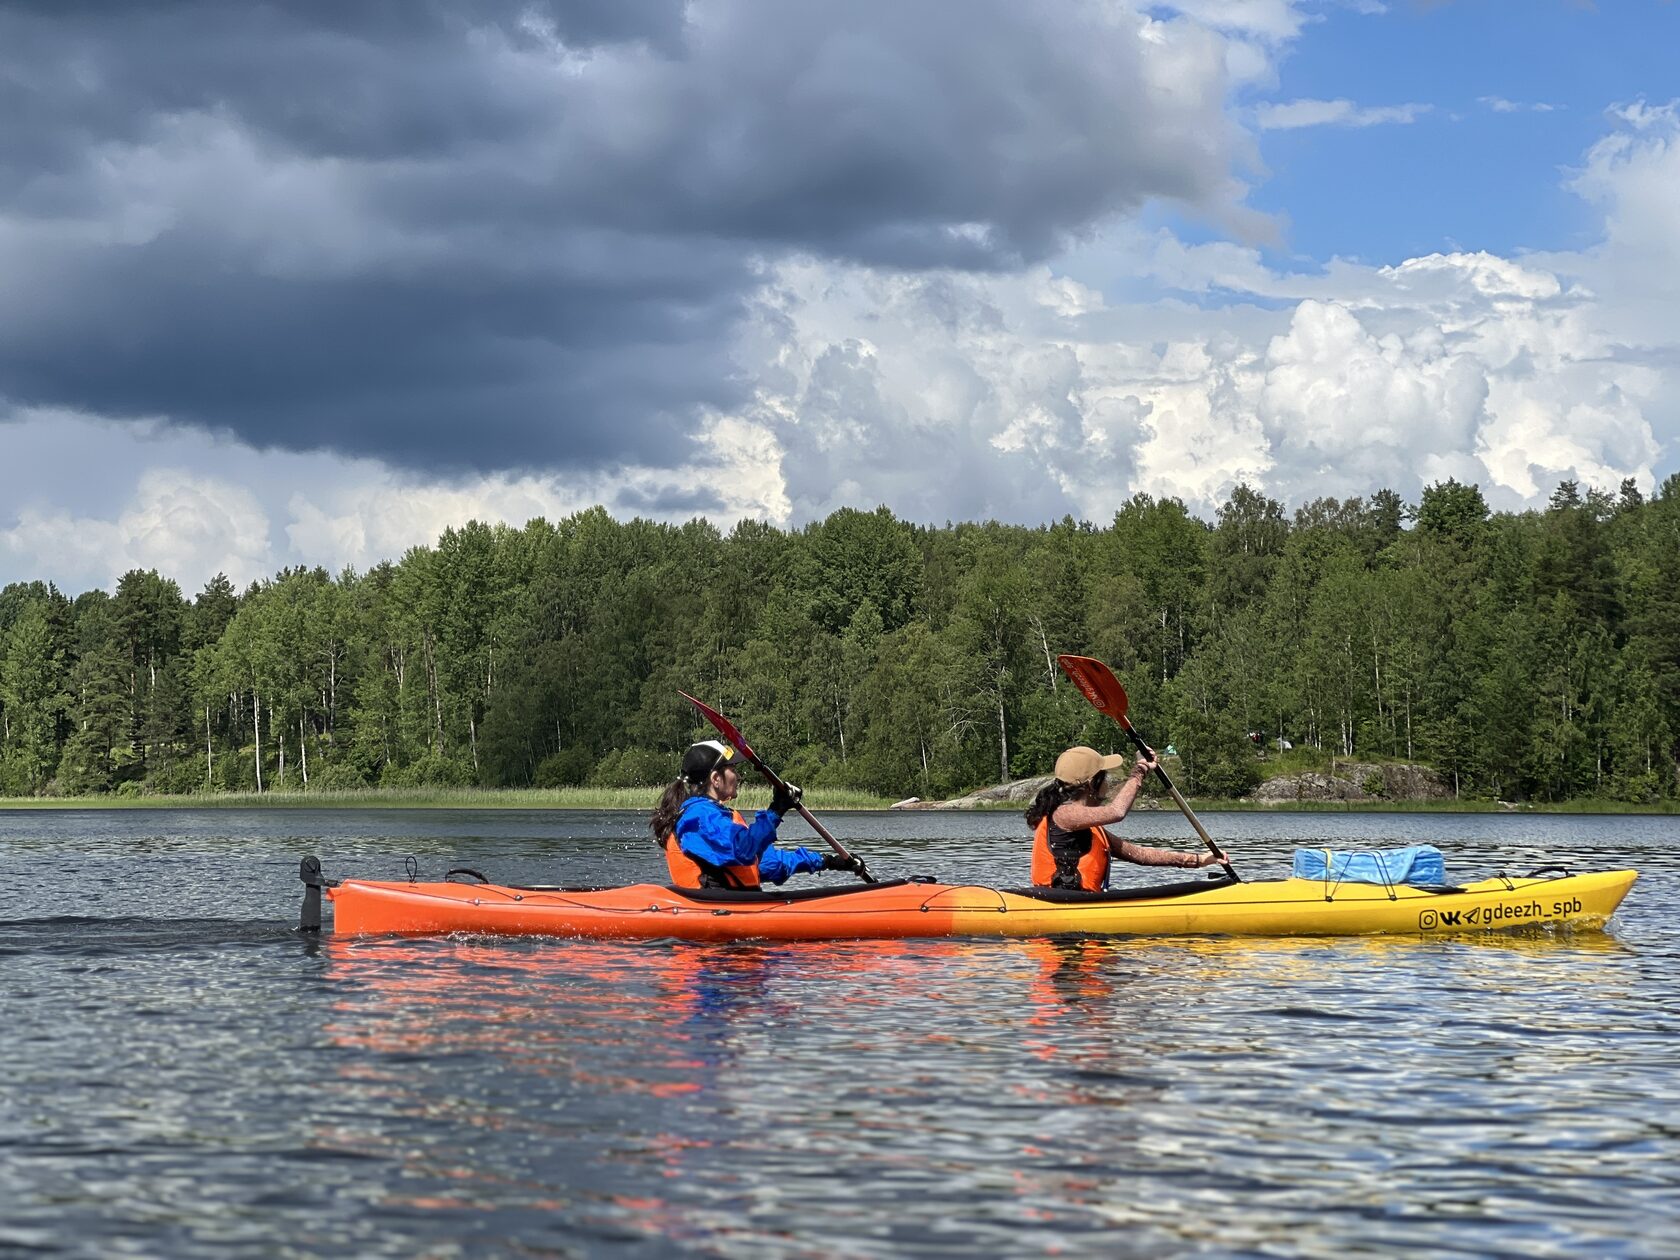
[182,1075]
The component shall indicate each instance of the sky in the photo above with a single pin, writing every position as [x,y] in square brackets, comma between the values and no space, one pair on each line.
[299,282]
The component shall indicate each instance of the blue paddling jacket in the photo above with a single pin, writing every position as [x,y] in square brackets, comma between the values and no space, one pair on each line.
[717,840]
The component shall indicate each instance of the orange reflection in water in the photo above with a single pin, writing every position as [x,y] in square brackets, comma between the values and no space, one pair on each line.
[537,1012]
[684,1027]
[664,1021]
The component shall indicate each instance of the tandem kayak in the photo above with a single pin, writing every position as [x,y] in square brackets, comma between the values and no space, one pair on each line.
[921,907]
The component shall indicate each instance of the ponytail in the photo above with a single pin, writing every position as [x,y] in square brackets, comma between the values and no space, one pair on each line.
[670,805]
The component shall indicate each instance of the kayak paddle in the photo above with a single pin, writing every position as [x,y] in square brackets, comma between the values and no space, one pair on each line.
[726,728]
[1097,683]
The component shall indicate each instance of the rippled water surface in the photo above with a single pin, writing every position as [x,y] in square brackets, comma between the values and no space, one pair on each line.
[183,1075]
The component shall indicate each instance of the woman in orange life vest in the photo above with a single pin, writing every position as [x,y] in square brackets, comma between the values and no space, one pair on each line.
[709,845]
[1071,845]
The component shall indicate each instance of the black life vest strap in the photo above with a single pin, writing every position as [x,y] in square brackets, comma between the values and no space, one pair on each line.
[715,876]
[1068,848]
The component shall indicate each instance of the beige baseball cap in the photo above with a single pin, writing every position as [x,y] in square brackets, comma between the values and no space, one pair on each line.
[1079,765]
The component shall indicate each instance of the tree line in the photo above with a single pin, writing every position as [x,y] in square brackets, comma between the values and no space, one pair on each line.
[1531,655]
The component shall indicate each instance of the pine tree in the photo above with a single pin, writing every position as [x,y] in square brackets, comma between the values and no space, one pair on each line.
[32,698]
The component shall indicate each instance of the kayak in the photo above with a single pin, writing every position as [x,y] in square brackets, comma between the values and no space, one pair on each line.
[922,908]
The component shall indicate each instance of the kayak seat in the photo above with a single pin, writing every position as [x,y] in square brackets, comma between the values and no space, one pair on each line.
[1080,897]
[738,895]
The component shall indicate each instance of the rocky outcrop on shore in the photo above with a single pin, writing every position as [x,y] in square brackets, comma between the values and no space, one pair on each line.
[1020,792]
[1356,781]
[1344,781]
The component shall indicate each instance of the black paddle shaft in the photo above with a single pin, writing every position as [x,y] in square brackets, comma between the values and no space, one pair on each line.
[1195,822]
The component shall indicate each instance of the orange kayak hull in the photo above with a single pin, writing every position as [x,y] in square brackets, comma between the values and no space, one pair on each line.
[900,909]
[636,911]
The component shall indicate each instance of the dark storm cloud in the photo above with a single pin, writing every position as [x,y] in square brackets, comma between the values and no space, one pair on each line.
[670,501]
[456,367]
[497,234]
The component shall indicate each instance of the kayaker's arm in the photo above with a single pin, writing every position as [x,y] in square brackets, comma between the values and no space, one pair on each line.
[1143,855]
[777,864]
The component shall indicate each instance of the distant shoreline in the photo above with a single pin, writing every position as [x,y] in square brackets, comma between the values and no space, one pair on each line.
[642,800]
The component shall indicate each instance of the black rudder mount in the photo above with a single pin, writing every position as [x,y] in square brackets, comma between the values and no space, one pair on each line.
[309,871]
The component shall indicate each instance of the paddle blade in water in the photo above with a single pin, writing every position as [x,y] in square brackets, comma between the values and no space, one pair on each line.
[1097,683]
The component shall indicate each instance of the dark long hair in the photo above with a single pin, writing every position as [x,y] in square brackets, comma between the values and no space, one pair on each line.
[670,805]
[1054,794]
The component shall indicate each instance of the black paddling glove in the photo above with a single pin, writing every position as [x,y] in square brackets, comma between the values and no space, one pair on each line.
[785,799]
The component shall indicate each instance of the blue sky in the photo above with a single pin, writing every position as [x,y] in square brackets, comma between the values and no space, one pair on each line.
[290,283]
[1464,175]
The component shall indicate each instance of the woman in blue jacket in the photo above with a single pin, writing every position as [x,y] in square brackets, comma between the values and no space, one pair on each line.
[708,844]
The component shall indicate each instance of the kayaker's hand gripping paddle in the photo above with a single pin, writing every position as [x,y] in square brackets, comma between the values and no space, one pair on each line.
[1097,683]
[726,728]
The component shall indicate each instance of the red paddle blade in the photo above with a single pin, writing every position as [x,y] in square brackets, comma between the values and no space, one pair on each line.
[1097,683]
[723,726]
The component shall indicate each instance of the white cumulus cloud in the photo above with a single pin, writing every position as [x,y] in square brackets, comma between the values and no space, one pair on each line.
[1276,20]
[1500,105]
[221,505]
[1022,396]
[187,527]
[1291,115]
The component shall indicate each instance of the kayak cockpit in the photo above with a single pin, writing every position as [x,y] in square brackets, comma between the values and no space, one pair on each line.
[1105,896]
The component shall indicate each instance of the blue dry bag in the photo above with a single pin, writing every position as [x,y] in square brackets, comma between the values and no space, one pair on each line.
[1415,864]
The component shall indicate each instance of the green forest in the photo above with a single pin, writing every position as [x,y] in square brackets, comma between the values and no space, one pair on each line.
[1529,656]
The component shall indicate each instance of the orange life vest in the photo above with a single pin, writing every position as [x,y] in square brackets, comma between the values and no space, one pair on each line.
[1091,868]
[688,873]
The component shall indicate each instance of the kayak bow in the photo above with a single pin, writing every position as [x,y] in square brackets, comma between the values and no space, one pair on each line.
[917,908]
